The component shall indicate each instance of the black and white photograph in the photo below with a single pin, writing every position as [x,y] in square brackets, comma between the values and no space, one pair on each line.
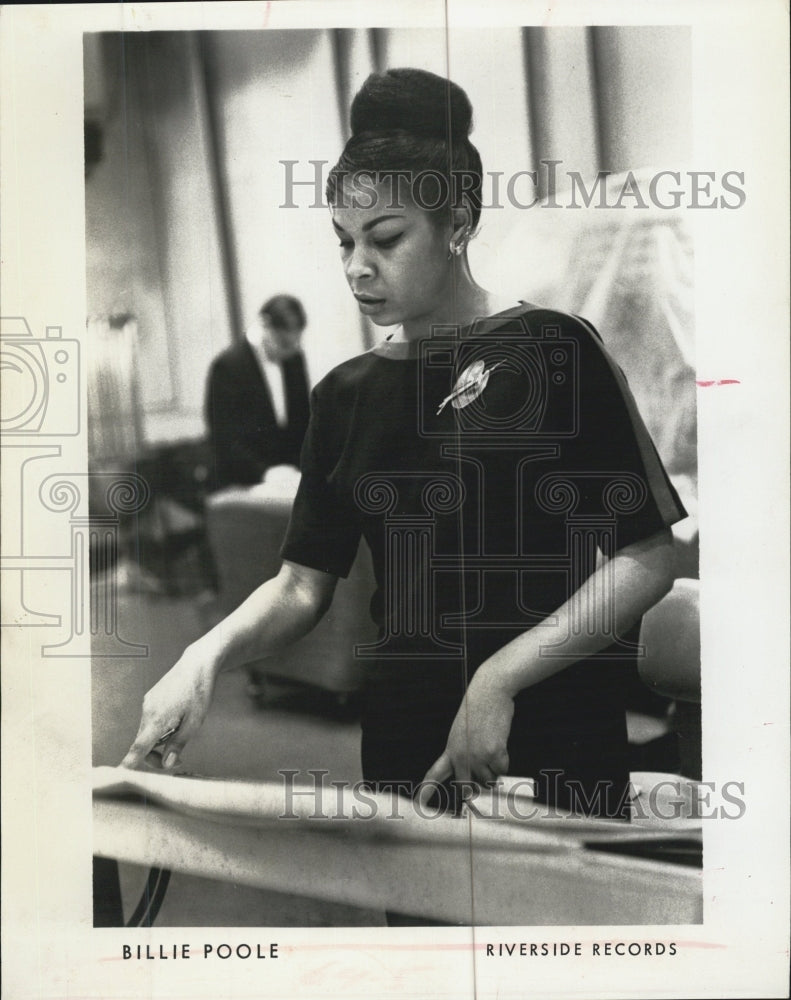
[395,517]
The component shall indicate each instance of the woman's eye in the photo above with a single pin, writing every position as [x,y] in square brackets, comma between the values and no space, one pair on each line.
[390,241]
[383,244]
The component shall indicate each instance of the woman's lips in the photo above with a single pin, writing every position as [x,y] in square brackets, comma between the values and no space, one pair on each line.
[368,304]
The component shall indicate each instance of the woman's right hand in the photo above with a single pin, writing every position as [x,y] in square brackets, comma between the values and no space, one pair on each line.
[178,702]
[276,614]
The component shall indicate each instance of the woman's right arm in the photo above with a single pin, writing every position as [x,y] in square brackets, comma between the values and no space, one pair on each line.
[278,613]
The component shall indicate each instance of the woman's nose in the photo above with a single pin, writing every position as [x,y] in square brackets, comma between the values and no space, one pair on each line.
[359,264]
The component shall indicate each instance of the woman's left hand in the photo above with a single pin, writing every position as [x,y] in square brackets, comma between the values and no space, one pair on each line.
[477,747]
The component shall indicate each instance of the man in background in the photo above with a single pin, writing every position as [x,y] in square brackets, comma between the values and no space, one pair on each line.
[257,405]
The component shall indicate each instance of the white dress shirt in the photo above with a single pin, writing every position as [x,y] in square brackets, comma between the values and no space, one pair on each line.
[272,372]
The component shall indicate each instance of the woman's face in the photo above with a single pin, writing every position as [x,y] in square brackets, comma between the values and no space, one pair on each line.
[394,255]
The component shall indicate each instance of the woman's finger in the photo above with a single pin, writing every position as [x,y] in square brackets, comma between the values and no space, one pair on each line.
[152,735]
[500,763]
[440,771]
[171,751]
[484,773]
[144,743]
[488,770]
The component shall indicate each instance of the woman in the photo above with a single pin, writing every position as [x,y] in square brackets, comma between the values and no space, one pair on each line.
[490,454]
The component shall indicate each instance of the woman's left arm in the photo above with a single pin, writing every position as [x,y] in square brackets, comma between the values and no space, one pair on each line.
[633,581]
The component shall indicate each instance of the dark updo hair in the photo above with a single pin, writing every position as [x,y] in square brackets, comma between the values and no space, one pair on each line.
[413,120]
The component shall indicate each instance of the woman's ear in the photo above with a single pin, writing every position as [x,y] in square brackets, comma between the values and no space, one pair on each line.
[462,223]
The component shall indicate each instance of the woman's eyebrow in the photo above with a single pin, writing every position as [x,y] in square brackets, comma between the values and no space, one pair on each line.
[368,225]
[381,218]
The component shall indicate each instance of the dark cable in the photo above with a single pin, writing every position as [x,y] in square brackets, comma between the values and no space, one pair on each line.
[153,896]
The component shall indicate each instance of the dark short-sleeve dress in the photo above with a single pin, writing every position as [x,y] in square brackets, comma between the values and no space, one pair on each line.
[488,469]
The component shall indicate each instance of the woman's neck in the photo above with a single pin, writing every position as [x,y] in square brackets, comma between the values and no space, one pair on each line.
[464,303]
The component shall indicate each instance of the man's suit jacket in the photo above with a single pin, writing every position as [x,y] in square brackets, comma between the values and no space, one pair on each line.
[245,436]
